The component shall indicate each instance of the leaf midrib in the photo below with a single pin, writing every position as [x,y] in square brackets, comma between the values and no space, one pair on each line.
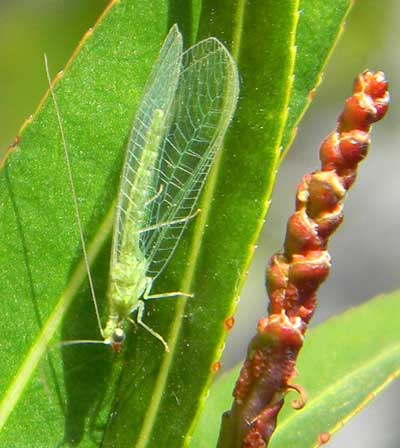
[156,398]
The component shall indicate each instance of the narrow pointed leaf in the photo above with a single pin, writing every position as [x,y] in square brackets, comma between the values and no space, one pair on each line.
[320,25]
[166,392]
[40,249]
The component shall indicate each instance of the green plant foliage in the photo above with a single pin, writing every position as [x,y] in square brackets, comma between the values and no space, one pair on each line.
[316,18]
[143,397]
[344,363]
[222,249]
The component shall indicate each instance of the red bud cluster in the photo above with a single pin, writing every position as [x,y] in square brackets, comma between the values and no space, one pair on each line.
[294,276]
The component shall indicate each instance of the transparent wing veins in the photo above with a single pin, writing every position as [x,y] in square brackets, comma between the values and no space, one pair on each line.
[203,107]
[159,93]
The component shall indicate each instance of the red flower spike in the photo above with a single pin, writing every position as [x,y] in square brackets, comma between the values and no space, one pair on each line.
[301,235]
[329,153]
[368,104]
[325,191]
[294,276]
[328,223]
[353,147]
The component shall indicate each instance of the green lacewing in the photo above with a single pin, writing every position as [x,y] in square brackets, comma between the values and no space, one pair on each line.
[187,105]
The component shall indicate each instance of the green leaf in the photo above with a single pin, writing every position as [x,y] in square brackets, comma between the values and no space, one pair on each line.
[157,407]
[40,250]
[320,25]
[344,364]
[50,396]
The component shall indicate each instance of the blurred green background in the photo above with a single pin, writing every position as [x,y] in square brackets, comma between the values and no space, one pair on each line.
[28,30]
[366,250]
